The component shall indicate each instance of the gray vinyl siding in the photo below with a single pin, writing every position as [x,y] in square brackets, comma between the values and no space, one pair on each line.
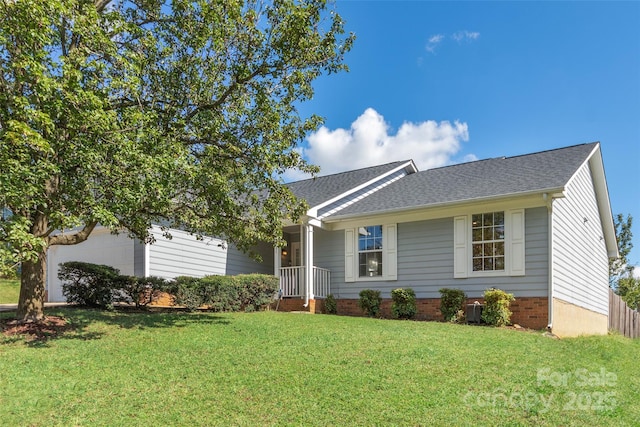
[328,252]
[581,265]
[425,261]
[241,263]
[184,255]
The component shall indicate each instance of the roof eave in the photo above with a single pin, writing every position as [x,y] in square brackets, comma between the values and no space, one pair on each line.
[556,192]
[604,205]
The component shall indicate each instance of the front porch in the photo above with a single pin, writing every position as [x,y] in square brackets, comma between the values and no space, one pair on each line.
[303,285]
[292,282]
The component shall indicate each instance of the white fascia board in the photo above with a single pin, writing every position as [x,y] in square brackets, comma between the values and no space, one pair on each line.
[604,205]
[313,212]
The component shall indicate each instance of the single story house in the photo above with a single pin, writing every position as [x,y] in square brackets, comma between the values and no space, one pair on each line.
[537,225]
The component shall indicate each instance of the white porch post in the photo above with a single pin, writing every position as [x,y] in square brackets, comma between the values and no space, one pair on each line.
[277,261]
[308,263]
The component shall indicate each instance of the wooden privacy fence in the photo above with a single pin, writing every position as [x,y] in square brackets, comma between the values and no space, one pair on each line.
[622,318]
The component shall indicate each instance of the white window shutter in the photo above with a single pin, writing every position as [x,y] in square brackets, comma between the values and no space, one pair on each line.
[349,255]
[460,244]
[390,254]
[515,236]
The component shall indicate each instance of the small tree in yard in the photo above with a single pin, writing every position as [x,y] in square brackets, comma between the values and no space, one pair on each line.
[125,114]
[619,268]
[629,290]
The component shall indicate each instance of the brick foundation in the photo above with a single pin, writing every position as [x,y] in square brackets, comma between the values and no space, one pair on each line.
[297,304]
[529,312]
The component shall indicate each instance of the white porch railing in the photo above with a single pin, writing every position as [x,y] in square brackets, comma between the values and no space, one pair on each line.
[321,282]
[292,282]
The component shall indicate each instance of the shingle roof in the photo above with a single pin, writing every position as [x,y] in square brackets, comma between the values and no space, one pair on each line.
[320,189]
[546,170]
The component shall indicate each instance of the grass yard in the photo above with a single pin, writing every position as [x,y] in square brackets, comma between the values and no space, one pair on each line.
[9,291]
[201,369]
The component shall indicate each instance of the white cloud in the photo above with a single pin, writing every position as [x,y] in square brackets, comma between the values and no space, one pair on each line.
[368,142]
[459,36]
[433,42]
[465,35]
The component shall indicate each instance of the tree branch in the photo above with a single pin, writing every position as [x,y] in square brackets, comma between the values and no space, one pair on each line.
[218,102]
[101,4]
[72,239]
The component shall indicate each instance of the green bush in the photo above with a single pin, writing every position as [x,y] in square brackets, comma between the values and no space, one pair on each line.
[249,292]
[257,290]
[220,293]
[90,285]
[404,303]
[100,286]
[496,307]
[187,292]
[330,305]
[140,291]
[370,302]
[451,301]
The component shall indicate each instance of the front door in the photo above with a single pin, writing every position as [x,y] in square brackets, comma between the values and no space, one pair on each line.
[296,256]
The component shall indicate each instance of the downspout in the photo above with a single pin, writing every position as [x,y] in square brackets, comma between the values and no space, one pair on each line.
[549,201]
[303,249]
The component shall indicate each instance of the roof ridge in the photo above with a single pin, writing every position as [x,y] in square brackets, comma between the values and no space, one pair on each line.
[512,157]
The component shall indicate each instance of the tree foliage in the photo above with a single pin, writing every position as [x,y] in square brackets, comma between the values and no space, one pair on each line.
[126,113]
[620,268]
[629,289]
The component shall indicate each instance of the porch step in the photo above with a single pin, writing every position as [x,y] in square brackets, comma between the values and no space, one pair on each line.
[296,305]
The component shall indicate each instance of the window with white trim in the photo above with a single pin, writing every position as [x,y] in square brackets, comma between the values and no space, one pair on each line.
[487,241]
[489,244]
[370,251]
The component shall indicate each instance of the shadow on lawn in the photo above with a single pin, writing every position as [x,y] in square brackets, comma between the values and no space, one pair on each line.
[74,323]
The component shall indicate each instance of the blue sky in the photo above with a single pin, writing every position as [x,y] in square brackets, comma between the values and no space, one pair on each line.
[447,82]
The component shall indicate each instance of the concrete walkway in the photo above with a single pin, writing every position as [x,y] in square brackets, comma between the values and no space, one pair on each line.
[14,307]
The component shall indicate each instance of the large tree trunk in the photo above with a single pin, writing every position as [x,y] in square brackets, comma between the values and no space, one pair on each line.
[32,289]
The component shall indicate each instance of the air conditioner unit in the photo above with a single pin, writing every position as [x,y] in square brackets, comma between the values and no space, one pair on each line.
[474,313]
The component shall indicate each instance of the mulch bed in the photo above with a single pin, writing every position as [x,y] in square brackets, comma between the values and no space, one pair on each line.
[49,327]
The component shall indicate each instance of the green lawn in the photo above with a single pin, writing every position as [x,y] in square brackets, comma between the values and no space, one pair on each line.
[9,291]
[270,368]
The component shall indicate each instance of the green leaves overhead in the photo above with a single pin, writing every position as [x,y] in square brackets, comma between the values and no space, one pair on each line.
[128,113]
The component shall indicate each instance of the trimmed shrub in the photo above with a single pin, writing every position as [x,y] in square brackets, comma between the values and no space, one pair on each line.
[496,307]
[187,292]
[220,293]
[404,303]
[90,285]
[330,305]
[249,292]
[140,291]
[370,302]
[451,301]
[257,290]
